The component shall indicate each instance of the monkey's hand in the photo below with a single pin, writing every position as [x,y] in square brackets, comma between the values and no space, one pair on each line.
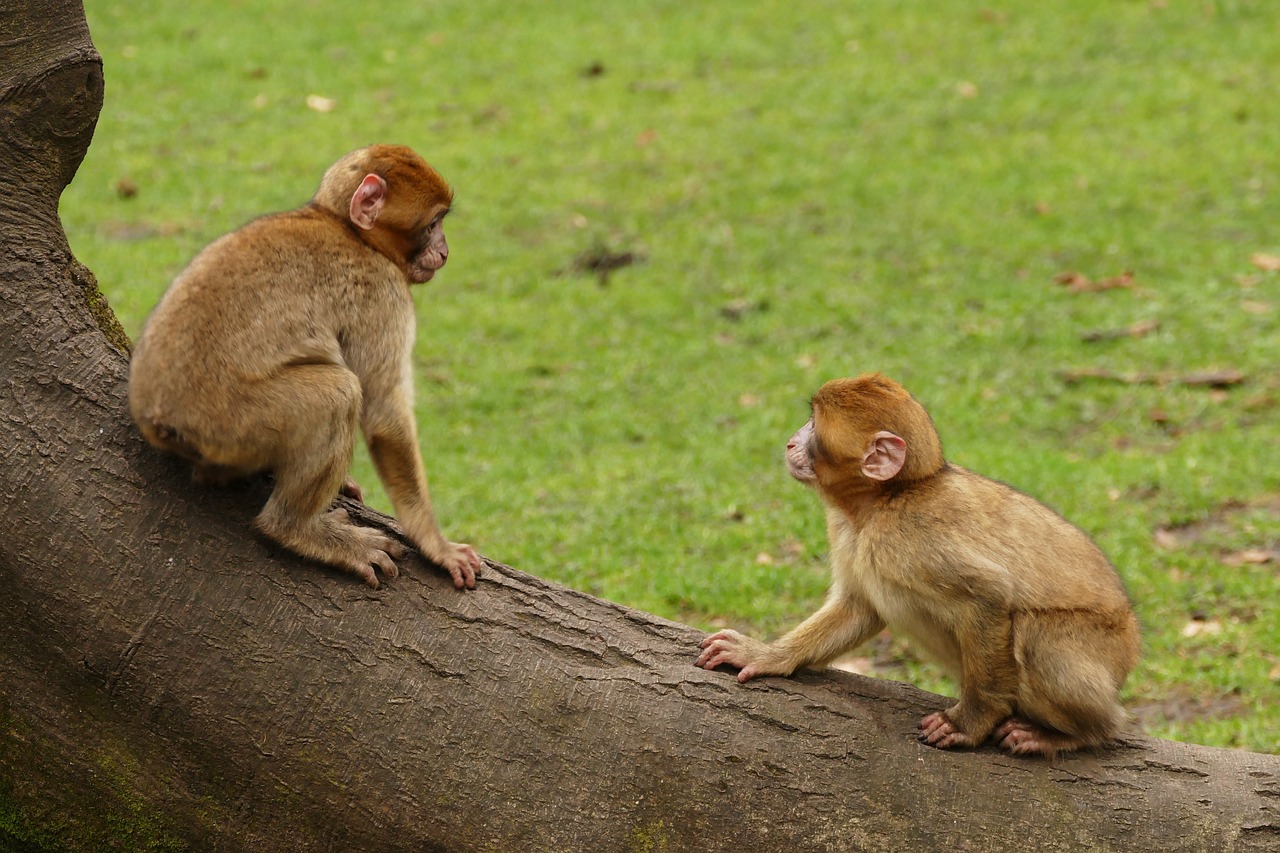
[461,562]
[938,730]
[751,657]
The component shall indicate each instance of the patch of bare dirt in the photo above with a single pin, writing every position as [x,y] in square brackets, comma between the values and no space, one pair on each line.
[1181,706]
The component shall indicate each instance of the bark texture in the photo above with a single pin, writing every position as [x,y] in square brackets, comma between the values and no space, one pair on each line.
[169,681]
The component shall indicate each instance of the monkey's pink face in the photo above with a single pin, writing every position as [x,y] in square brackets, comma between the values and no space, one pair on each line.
[431,256]
[800,455]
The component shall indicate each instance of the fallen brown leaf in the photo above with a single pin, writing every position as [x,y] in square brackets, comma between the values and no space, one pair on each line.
[1137,330]
[603,262]
[1211,378]
[1201,628]
[1251,557]
[1079,283]
[1263,261]
[321,104]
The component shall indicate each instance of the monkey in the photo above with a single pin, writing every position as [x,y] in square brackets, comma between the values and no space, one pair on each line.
[280,338]
[1017,604]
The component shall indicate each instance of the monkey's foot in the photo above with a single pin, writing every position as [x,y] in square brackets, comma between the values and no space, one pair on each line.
[332,538]
[363,551]
[938,730]
[350,488]
[1023,737]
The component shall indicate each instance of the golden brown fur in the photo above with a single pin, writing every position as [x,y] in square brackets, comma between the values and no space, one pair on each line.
[1016,603]
[280,339]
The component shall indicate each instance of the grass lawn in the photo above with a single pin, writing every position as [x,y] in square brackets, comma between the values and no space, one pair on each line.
[977,198]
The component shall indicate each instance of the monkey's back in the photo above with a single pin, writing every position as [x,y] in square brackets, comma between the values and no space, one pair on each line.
[277,292]
[1004,539]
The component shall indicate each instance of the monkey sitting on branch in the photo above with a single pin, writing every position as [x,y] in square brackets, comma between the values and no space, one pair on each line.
[1018,605]
[280,338]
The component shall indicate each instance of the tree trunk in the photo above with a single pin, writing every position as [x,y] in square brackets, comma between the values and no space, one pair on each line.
[169,680]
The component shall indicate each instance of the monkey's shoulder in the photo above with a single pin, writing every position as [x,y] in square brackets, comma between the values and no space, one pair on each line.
[982,527]
[957,488]
[290,234]
[274,259]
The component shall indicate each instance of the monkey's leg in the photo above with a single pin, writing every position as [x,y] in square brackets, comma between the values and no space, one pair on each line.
[316,408]
[1067,697]
[988,685]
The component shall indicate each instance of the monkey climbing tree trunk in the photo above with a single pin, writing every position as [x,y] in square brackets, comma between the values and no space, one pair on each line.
[169,680]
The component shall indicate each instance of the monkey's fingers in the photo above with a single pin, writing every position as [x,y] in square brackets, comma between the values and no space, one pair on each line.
[726,634]
[463,564]
[721,652]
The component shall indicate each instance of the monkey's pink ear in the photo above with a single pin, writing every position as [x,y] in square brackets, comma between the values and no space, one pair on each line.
[366,201]
[885,456]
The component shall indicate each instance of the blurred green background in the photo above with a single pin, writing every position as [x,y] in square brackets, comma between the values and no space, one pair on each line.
[674,221]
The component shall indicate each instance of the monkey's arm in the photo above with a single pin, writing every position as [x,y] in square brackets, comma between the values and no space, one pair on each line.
[843,623]
[392,436]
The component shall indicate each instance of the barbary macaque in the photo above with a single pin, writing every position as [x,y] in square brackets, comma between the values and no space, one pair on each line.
[1018,605]
[279,338]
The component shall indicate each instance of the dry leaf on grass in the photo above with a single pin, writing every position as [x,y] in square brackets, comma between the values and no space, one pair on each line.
[1140,329]
[1263,261]
[1210,378]
[1080,283]
[1252,557]
[321,104]
[1201,628]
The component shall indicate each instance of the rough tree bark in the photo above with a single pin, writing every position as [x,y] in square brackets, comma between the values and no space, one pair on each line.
[168,680]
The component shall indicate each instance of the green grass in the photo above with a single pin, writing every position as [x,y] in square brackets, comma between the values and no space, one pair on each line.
[816,191]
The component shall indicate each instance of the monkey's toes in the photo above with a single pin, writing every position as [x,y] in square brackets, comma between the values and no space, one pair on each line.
[352,489]
[1023,737]
[938,730]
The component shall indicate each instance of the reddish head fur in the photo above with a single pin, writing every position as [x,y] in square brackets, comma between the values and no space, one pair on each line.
[848,413]
[416,197]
